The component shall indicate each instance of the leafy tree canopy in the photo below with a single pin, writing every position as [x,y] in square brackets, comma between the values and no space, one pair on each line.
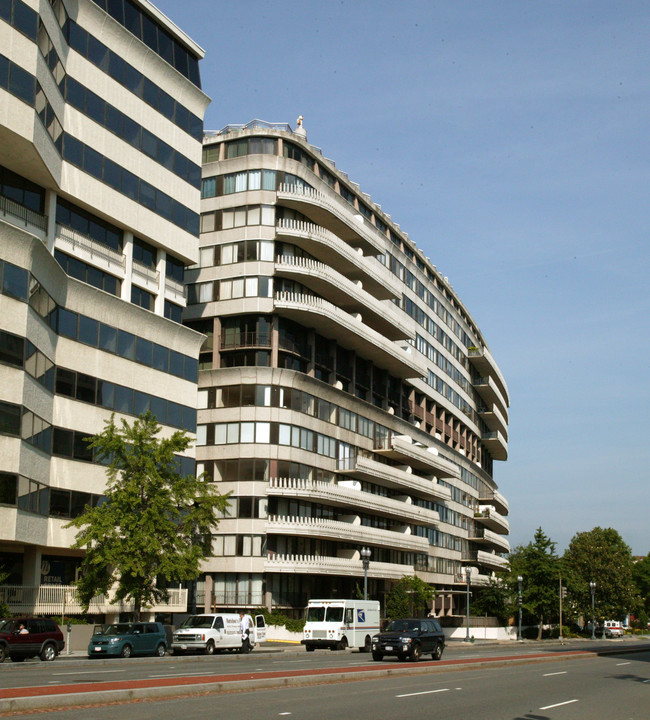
[495,599]
[641,578]
[600,556]
[154,523]
[538,564]
[410,596]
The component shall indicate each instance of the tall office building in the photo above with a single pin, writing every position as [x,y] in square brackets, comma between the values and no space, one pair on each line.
[347,399]
[101,122]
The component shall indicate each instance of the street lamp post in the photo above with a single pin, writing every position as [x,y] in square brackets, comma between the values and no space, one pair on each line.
[468,573]
[592,587]
[365,559]
[519,581]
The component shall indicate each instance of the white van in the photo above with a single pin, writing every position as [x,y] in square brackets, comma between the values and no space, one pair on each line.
[210,633]
[338,624]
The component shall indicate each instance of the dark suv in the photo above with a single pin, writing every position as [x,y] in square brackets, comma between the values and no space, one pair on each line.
[22,638]
[410,638]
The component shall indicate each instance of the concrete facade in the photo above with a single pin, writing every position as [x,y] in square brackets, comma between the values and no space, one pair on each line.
[347,399]
[100,152]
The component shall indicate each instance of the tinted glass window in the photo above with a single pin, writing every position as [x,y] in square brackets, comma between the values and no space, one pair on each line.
[67,323]
[14,281]
[107,338]
[126,345]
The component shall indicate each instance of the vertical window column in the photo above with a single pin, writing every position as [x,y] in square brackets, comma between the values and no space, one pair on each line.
[161,267]
[127,249]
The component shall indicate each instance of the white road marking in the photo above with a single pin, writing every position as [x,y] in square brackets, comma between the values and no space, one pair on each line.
[91,672]
[625,663]
[424,692]
[646,681]
[284,713]
[564,672]
[567,702]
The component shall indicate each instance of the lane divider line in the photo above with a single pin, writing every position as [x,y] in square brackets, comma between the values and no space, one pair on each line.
[424,692]
[566,702]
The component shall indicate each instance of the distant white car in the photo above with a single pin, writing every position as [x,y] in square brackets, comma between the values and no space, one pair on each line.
[613,629]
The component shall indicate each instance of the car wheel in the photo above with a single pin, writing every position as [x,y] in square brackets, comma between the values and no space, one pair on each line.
[342,644]
[367,645]
[377,656]
[161,650]
[3,653]
[437,653]
[209,648]
[415,653]
[48,653]
[126,651]
[309,648]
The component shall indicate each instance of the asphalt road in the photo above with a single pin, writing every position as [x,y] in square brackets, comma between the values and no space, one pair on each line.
[594,687]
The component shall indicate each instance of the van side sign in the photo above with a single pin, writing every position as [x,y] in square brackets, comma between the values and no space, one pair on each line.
[361,616]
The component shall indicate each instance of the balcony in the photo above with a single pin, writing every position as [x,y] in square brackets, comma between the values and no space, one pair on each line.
[494,418]
[62,599]
[348,497]
[491,519]
[484,559]
[317,565]
[489,391]
[347,295]
[175,291]
[496,444]
[496,499]
[336,214]
[88,250]
[483,536]
[402,449]
[146,276]
[482,360]
[18,214]
[330,249]
[335,324]
[349,532]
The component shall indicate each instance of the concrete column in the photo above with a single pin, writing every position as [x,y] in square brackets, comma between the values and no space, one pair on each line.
[268,600]
[209,587]
[161,267]
[50,211]
[32,566]
[216,343]
[275,340]
[127,249]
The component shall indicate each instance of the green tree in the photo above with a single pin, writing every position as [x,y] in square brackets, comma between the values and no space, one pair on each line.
[539,566]
[155,522]
[494,599]
[600,556]
[410,596]
[641,578]
[5,612]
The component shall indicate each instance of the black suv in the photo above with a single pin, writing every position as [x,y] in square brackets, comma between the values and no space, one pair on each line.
[22,638]
[410,638]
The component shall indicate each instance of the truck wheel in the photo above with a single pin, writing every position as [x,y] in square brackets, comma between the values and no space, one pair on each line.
[342,644]
[209,648]
[367,645]
[309,648]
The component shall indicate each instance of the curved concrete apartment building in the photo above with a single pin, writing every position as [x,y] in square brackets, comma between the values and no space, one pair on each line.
[347,399]
[101,125]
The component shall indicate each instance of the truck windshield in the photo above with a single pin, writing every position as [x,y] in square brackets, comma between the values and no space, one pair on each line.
[315,614]
[198,621]
[335,614]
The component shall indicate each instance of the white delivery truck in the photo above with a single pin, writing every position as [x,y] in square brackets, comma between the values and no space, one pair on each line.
[214,632]
[338,624]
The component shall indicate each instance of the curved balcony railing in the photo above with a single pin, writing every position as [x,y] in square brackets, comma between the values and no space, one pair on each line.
[375,276]
[349,497]
[319,565]
[493,520]
[335,529]
[341,209]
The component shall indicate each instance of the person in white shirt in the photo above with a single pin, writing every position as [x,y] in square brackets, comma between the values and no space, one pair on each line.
[245,628]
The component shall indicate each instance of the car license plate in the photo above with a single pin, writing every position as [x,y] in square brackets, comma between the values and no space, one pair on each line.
[389,647]
[98,649]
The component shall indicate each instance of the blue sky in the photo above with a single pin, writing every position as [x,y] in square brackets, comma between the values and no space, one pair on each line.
[511,141]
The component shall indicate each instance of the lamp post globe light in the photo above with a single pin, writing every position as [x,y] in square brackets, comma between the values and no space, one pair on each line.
[592,587]
[519,582]
[365,559]
[468,573]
